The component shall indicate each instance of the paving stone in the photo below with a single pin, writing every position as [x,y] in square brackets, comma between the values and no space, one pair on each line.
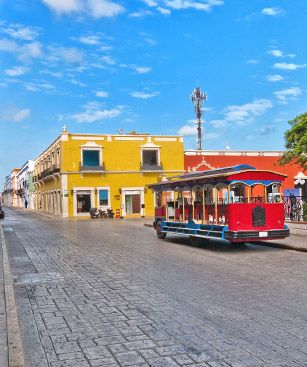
[129,358]
[123,298]
[162,362]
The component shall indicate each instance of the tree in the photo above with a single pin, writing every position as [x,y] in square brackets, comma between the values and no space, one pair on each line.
[296,142]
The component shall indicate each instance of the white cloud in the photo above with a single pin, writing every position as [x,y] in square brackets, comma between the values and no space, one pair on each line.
[163,11]
[15,115]
[219,124]
[279,53]
[191,130]
[21,115]
[290,93]
[8,45]
[64,6]
[273,12]
[143,95]
[140,14]
[70,55]
[95,8]
[16,71]
[25,52]
[89,40]
[164,6]
[276,53]
[102,94]
[192,4]
[244,114]
[56,74]
[21,32]
[188,130]
[252,61]
[30,51]
[142,69]
[104,8]
[288,66]
[39,87]
[236,114]
[150,3]
[91,115]
[108,60]
[274,78]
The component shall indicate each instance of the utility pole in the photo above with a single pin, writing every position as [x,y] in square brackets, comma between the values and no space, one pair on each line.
[198,97]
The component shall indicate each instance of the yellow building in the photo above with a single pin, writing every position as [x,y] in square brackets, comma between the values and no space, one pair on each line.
[82,171]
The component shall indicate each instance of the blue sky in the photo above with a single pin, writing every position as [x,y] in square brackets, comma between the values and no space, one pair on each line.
[99,66]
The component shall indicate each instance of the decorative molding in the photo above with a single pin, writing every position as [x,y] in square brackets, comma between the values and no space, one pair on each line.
[165,139]
[203,163]
[238,153]
[98,138]
[150,146]
[129,138]
[91,144]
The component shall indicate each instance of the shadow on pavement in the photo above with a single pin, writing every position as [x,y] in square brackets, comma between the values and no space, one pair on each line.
[220,246]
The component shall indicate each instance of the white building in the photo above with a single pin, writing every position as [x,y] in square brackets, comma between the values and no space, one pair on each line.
[25,187]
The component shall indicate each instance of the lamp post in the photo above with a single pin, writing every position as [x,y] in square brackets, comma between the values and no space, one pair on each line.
[198,97]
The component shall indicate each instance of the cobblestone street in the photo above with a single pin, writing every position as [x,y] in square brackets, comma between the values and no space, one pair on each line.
[109,293]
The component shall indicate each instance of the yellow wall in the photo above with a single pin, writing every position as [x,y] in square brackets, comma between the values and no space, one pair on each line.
[122,163]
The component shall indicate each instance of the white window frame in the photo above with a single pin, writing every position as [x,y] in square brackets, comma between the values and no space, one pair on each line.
[126,190]
[109,195]
[151,148]
[75,191]
[91,148]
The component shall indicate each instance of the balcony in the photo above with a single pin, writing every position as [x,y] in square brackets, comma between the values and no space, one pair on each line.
[56,168]
[151,167]
[92,168]
[47,172]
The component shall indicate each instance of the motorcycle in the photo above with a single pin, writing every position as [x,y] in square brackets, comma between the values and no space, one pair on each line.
[101,214]
[110,213]
[94,213]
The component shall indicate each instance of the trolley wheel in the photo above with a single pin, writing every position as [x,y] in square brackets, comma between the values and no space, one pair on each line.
[160,234]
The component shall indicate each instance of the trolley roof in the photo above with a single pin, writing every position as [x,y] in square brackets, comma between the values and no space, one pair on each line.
[242,173]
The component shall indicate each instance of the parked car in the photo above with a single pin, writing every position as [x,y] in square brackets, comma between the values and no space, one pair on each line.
[1,213]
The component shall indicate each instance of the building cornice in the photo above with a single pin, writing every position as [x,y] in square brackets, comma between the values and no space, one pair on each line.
[247,153]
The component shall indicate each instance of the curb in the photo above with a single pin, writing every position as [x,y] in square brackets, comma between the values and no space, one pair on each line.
[15,350]
[284,246]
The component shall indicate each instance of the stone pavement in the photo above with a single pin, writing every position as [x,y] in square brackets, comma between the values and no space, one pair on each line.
[109,293]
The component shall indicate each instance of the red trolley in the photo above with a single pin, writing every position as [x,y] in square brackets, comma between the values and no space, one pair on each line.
[238,204]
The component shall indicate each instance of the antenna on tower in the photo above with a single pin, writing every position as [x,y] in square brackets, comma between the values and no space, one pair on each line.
[198,97]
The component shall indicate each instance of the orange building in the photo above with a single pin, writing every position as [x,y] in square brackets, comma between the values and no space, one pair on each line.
[195,160]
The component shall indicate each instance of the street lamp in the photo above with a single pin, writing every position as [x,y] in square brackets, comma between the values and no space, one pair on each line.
[198,97]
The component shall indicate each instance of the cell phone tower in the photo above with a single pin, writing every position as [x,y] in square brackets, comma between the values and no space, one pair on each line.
[198,97]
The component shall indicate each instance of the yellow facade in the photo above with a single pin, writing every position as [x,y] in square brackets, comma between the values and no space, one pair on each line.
[81,171]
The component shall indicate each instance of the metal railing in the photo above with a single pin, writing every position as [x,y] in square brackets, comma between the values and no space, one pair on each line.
[151,167]
[92,168]
[295,208]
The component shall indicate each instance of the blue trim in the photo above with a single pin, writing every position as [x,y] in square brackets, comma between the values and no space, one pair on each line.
[193,229]
[252,182]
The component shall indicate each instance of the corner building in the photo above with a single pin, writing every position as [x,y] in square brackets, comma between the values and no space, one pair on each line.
[78,172]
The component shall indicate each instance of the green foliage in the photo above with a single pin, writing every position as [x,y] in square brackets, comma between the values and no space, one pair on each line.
[296,142]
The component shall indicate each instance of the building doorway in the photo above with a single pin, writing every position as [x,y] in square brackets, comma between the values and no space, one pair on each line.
[133,203]
[83,201]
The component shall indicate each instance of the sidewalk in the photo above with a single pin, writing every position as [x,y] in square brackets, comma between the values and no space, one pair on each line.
[294,242]
[3,331]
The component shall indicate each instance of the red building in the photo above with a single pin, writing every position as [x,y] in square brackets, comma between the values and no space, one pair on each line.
[195,160]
